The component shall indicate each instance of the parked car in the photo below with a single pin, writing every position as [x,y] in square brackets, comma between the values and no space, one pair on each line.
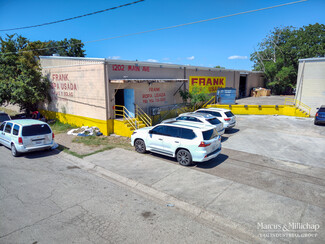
[320,116]
[26,135]
[224,115]
[4,116]
[207,119]
[183,140]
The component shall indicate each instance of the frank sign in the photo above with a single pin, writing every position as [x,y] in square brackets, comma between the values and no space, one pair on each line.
[208,84]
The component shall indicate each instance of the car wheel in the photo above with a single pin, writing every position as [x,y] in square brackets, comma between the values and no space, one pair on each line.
[14,151]
[140,146]
[184,157]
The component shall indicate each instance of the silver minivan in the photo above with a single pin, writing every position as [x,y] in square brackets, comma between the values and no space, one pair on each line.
[26,135]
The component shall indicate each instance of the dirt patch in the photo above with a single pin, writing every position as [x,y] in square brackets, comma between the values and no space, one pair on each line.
[66,141]
[79,148]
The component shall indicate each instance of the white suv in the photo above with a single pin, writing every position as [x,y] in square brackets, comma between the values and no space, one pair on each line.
[183,140]
[204,118]
[224,115]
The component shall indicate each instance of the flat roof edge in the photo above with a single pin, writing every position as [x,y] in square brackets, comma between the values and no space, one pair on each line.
[152,64]
[312,59]
[73,58]
[180,66]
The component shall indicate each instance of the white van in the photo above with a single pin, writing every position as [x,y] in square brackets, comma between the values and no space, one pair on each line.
[26,135]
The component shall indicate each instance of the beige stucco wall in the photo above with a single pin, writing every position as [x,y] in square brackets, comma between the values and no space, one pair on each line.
[310,88]
[79,83]
[77,90]
[147,96]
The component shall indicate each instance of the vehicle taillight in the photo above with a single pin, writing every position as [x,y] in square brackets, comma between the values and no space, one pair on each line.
[316,115]
[227,119]
[202,144]
[20,140]
[52,136]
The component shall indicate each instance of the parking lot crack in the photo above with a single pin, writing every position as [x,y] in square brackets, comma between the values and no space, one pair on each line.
[226,188]
[303,213]
[48,217]
[164,177]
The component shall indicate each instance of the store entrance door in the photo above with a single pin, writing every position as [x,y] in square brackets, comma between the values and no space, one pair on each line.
[125,97]
[129,101]
[242,86]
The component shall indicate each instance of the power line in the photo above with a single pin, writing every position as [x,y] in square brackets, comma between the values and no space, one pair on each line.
[166,28]
[72,18]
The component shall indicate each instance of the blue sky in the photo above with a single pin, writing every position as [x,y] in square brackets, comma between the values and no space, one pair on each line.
[226,42]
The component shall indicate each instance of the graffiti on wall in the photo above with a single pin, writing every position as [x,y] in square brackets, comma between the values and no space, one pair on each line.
[154,95]
[62,86]
[207,84]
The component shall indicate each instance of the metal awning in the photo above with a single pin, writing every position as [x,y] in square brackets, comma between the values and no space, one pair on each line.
[122,81]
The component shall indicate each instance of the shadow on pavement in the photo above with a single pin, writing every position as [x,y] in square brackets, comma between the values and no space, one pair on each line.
[204,165]
[231,131]
[213,162]
[224,138]
[40,154]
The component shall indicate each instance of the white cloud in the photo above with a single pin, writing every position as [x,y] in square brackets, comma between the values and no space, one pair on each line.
[190,58]
[166,59]
[115,57]
[238,57]
[152,60]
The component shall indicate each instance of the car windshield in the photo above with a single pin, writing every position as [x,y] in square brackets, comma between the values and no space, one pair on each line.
[229,114]
[4,117]
[35,130]
[209,134]
[214,121]
[321,110]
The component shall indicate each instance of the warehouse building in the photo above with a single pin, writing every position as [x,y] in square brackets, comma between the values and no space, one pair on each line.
[88,91]
[310,89]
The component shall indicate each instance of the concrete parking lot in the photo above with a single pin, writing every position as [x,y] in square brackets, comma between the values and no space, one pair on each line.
[271,171]
[267,185]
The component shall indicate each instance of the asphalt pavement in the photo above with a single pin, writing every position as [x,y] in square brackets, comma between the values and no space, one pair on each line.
[270,189]
[47,198]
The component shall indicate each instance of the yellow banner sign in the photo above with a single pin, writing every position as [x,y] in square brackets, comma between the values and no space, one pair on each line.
[208,84]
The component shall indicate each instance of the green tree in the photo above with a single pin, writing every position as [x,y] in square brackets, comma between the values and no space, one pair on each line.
[278,54]
[196,97]
[71,48]
[21,81]
[219,67]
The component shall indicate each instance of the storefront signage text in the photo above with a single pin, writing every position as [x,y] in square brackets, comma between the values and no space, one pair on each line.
[62,86]
[207,84]
[154,95]
[121,67]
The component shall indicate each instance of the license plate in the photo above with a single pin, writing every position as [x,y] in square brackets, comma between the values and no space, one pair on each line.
[38,142]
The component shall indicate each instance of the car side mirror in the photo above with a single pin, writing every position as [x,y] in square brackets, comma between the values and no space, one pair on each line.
[150,132]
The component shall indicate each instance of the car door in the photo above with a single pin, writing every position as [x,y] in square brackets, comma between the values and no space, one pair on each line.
[186,138]
[155,139]
[7,134]
[171,140]
[2,134]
